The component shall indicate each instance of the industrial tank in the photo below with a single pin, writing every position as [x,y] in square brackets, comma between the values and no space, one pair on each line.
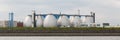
[63,21]
[88,20]
[50,21]
[71,19]
[39,22]
[75,21]
[28,21]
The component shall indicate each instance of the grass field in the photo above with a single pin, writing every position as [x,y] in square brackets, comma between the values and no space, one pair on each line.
[56,28]
[55,31]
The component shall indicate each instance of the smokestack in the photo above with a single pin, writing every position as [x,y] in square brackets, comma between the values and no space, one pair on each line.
[33,19]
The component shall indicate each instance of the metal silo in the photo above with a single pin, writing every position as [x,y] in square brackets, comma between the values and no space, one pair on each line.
[50,21]
[39,22]
[28,21]
[89,20]
[75,21]
[63,21]
[71,19]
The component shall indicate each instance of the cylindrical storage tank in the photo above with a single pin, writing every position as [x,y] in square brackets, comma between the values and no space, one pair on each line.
[63,21]
[28,21]
[50,21]
[75,21]
[39,22]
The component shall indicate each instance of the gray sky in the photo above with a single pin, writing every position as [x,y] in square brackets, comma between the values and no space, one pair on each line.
[106,10]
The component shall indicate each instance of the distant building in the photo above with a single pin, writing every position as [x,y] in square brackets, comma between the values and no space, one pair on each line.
[6,23]
[106,24]
[19,24]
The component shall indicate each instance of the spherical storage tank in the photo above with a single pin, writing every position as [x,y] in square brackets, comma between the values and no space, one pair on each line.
[88,20]
[63,21]
[75,21]
[50,21]
[39,22]
[28,21]
[70,19]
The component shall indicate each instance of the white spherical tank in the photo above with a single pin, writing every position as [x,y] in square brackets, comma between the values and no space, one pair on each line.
[39,22]
[75,21]
[50,21]
[63,21]
[71,19]
[28,21]
[89,20]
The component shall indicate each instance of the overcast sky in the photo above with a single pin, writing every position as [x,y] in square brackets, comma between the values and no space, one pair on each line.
[106,10]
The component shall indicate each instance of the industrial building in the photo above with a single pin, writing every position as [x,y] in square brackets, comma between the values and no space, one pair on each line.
[6,24]
[51,20]
[59,20]
[11,22]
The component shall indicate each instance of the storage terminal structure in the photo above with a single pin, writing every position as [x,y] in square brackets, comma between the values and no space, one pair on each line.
[59,20]
[56,25]
[52,20]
